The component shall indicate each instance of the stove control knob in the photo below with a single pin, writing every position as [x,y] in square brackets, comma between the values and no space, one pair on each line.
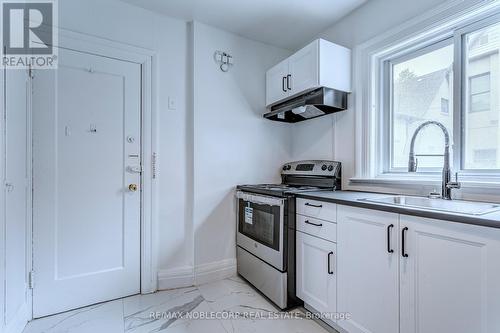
[323,167]
[330,168]
[284,168]
[288,167]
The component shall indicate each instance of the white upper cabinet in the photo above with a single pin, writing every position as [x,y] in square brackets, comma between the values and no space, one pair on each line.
[276,86]
[303,68]
[368,260]
[450,277]
[319,64]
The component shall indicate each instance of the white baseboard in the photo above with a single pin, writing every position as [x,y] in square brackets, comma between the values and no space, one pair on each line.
[188,276]
[18,323]
[215,271]
[175,278]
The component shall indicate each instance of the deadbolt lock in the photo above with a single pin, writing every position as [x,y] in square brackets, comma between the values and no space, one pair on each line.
[132,187]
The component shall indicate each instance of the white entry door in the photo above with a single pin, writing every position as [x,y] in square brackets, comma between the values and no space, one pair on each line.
[87,160]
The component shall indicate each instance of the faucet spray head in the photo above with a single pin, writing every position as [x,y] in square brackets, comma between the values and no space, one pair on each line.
[412,164]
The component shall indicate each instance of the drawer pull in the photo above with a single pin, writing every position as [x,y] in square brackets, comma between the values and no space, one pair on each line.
[315,206]
[329,264]
[314,224]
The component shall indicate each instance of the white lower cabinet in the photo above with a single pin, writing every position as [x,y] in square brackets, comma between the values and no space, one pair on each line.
[316,272]
[405,274]
[450,278]
[368,259]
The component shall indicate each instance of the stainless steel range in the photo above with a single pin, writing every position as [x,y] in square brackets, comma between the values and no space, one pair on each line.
[266,227]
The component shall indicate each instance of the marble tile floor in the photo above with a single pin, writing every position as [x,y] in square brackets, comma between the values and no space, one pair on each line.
[233,307]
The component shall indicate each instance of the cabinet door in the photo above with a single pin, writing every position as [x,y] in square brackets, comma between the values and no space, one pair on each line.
[316,281]
[450,279]
[367,243]
[276,83]
[304,69]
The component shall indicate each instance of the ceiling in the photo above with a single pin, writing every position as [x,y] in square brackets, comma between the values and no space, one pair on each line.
[284,23]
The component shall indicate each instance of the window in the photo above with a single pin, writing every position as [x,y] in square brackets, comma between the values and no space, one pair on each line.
[480,119]
[479,92]
[420,86]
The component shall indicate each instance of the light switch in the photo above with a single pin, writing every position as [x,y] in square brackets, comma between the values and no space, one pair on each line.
[172,105]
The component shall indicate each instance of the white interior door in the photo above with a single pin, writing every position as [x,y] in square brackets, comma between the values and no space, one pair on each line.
[87,141]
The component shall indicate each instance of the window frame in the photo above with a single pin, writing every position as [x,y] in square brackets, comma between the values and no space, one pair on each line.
[459,99]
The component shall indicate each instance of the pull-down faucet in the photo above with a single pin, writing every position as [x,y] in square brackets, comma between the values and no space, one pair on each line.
[446,184]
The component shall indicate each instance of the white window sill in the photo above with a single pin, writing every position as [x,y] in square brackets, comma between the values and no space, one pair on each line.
[426,180]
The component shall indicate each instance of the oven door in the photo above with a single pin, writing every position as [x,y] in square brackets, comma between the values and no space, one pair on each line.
[261,227]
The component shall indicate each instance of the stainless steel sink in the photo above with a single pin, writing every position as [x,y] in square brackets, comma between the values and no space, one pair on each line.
[452,206]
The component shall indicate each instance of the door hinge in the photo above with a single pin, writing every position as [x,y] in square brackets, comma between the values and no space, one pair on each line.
[153,165]
[31,280]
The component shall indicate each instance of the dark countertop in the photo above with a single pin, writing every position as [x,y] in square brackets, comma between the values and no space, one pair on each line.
[351,198]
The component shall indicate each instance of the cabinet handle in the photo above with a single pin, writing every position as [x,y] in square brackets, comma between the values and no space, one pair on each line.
[329,271]
[403,249]
[288,77]
[283,83]
[315,206]
[389,247]
[314,224]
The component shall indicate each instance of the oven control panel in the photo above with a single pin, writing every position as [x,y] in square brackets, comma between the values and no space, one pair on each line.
[313,168]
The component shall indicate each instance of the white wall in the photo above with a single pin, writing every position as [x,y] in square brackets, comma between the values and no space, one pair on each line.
[233,143]
[364,23]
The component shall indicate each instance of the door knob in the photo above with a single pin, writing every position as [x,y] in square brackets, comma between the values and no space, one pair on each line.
[132,187]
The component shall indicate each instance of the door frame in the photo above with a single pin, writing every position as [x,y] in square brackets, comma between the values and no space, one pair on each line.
[25,313]
[2,199]
[148,60]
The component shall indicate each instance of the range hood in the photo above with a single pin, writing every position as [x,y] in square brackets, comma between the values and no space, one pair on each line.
[312,104]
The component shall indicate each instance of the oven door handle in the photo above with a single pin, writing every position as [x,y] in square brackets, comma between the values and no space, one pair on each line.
[260,199]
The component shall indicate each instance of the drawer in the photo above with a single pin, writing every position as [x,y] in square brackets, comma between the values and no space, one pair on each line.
[317,209]
[319,228]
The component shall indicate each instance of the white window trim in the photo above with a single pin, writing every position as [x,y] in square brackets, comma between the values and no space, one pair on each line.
[431,27]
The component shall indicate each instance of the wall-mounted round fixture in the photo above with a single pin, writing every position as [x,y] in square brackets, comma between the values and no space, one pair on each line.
[224,60]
